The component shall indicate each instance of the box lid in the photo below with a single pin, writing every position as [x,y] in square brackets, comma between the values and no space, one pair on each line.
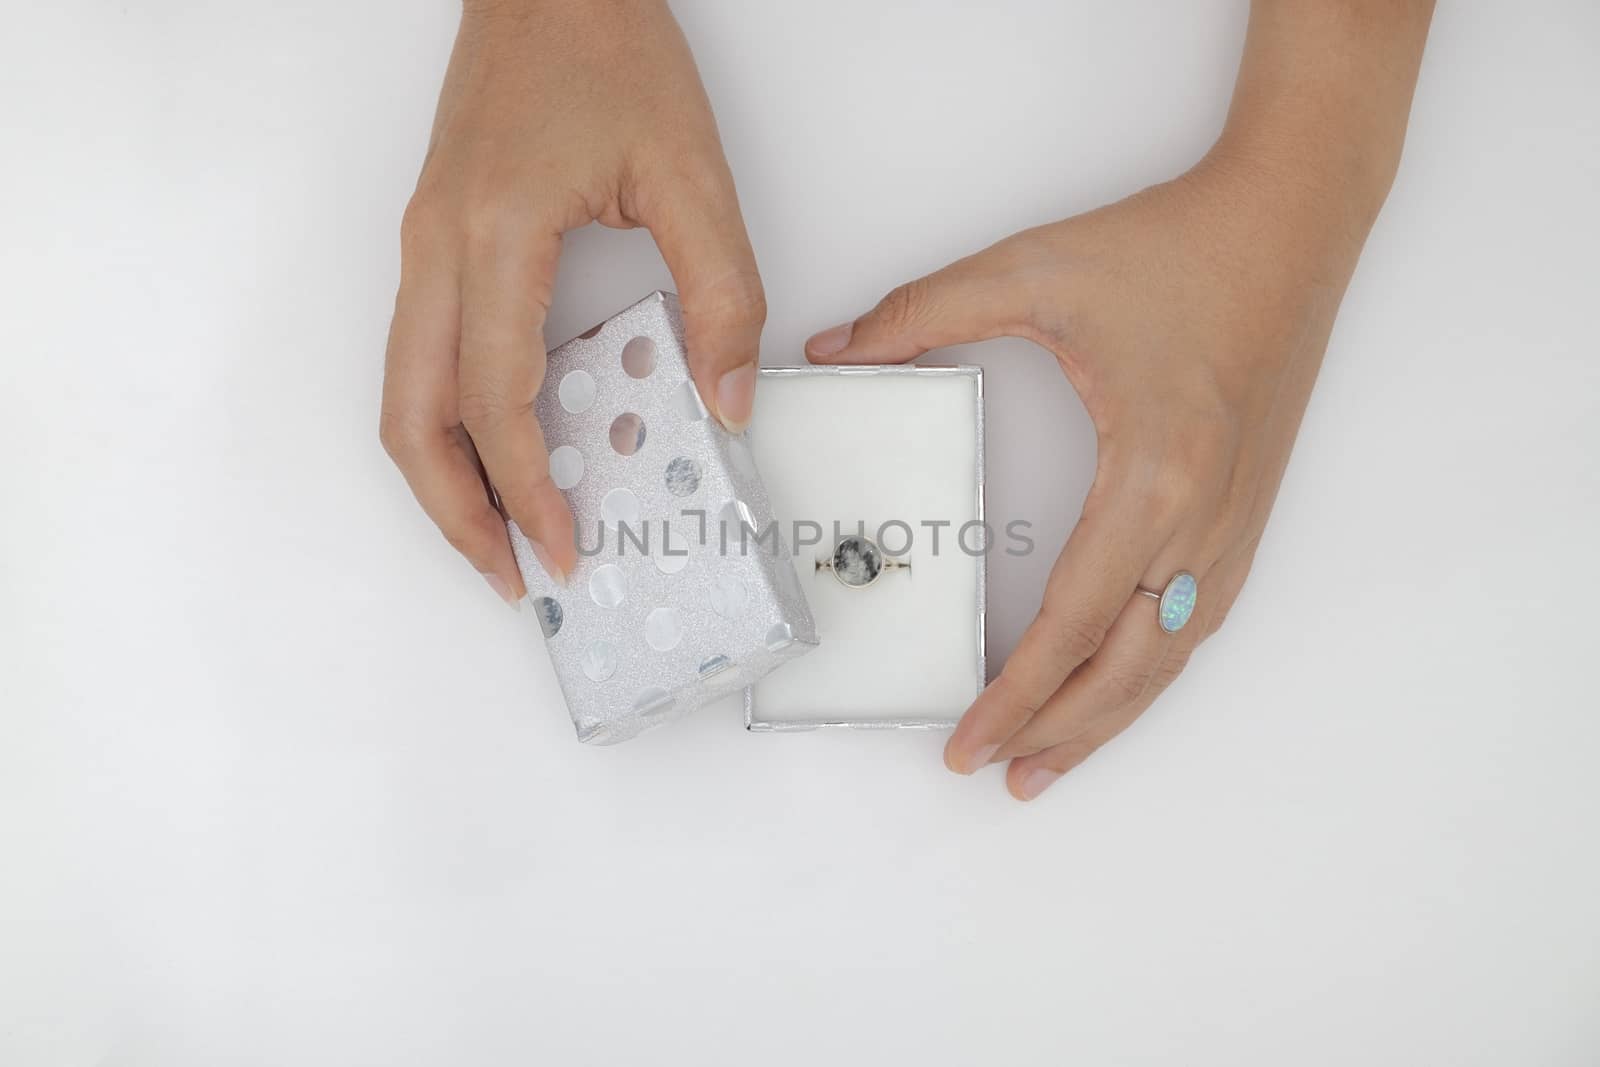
[684,591]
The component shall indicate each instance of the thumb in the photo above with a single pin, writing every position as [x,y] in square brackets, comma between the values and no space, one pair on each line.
[705,246]
[973,299]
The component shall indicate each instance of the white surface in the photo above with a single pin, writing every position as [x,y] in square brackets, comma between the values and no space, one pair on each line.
[282,783]
[862,450]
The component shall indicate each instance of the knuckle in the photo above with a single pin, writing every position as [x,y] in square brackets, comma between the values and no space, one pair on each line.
[1020,699]
[738,300]
[1170,494]
[1214,446]
[700,174]
[1214,624]
[400,436]
[1229,533]
[1167,671]
[1123,684]
[1077,635]
[492,219]
[481,409]
[1102,494]
[486,403]
[903,305]
[1175,492]
[1252,544]
[1160,485]
[1219,616]
[1179,468]
[688,167]
[419,223]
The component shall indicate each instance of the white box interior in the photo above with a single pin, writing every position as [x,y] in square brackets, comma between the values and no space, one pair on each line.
[876,445]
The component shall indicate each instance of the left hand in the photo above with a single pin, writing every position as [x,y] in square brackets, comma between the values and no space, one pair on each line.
[1191,319]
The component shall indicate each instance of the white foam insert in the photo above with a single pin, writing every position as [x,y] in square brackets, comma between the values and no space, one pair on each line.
[877,447]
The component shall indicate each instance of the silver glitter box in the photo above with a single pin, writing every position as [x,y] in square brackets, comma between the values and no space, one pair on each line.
[664,611]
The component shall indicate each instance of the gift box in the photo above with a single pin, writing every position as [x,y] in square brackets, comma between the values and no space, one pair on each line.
[893,455]
[684,590]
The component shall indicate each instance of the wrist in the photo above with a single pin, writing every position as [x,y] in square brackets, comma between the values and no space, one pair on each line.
[1309,168]
[1269,222]
[1319,111]
[1306,182]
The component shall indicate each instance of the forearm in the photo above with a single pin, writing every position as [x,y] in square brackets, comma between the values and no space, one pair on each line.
[1323,95]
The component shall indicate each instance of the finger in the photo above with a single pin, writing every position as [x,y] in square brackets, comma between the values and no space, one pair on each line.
[1030,775]
[1138,653]
[973,299]
[703,240]
[1026,778]
[504,294]
[1224,584]
[1115,677]
[419,430]
[1105,556]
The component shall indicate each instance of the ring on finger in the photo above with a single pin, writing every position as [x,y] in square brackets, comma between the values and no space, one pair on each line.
[1175,602]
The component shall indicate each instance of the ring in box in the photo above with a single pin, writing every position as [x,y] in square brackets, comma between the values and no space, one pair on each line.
[894,455]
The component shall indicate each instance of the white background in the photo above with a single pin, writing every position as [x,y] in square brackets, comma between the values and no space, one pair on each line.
[282,783]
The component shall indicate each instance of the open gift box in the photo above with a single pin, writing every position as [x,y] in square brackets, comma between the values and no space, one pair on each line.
[698,577]
[895,455]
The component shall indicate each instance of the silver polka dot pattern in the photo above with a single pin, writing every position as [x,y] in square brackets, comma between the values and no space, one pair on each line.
[670,551]
[639,357]
[566,466]
[620,505]
[608,586]
[627,434]
[615,681]
[779,635]
[714,665]
[599,660]
[663,629]
[577,391]
[688,404]
[548,611]
[652,700]
[682,476]
[728,595]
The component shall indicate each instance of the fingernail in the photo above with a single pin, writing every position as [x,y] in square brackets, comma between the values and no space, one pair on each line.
[556,574]
[980,759]
[502,589]
[736,397]
[1037,781]
[830,341]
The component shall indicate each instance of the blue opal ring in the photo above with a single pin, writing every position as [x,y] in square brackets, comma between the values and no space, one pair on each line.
[1176,601]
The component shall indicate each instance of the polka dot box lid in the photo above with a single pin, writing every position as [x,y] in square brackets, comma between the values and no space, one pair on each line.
[685,590]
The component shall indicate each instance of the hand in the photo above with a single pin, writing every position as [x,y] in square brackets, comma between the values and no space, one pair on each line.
[1191,319]
[552,115]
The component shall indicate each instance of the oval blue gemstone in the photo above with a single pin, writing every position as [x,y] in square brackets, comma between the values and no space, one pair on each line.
[1177,601]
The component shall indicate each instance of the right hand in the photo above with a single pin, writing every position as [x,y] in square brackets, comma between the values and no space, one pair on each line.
[552,115]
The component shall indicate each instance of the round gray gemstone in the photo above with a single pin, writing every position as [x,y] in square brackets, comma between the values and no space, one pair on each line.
[857,561]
